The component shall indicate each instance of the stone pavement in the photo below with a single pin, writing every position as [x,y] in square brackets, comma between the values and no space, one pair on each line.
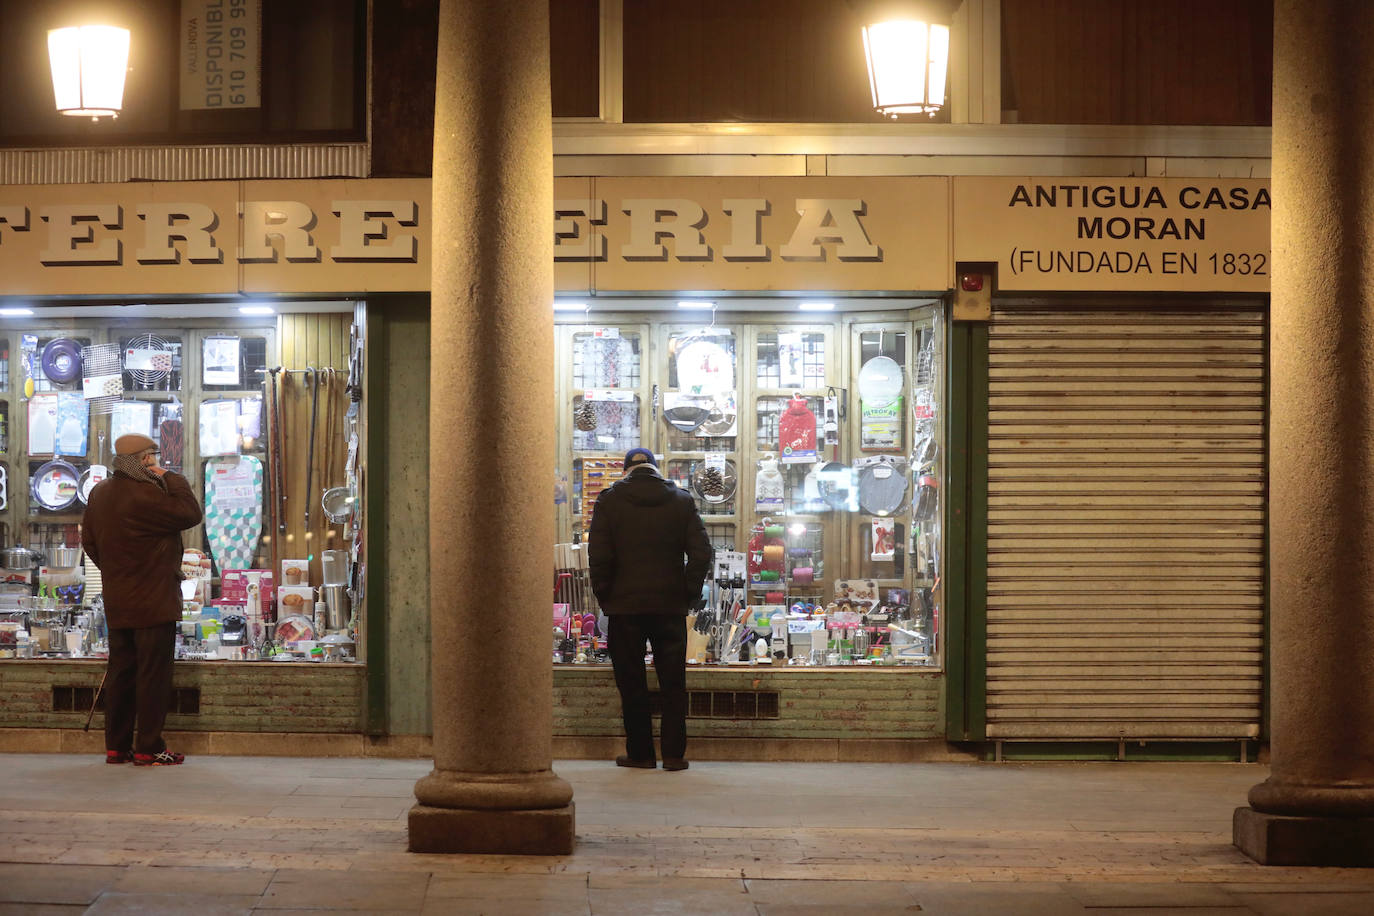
[275,834]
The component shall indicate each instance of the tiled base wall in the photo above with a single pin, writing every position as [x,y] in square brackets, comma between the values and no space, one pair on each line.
[272,709]
[234,696]
[856,704]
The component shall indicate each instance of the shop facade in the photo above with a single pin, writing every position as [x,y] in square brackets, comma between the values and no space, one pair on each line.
[1099,384]
[164,310]
[1020,509]
[1120,493]
[779,343]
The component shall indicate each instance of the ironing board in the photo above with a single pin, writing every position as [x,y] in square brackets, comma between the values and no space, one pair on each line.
[233,509]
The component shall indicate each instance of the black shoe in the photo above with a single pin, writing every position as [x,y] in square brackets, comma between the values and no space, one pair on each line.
[674,763]
[624,761]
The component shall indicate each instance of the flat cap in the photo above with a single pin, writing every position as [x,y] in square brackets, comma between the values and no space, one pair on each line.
[133,443]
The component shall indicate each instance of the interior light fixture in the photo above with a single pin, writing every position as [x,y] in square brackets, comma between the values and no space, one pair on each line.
[559,306]
[88,64]
[257,310]
[15,312]
[907,64]
[695,304]
[816,306]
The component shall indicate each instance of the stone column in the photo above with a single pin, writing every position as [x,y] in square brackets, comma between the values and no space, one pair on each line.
[492,446]
[1317,806]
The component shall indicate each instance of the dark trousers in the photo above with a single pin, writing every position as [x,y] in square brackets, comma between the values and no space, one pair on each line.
[667,635]
[138,687]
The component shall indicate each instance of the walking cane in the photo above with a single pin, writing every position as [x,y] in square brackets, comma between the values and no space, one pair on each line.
[95,699]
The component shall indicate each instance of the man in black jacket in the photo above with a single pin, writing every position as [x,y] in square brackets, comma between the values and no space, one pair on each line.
[642,529]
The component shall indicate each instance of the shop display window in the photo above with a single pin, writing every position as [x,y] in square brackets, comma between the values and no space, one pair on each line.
[220,410]
[822,500]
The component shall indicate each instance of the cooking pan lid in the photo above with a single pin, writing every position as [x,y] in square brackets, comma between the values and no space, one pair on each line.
[882,486]
[880,381]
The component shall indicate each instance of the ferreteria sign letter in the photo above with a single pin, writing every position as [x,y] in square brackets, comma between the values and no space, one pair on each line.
[1115,234]
[196,238]
[348,236]
[817,233]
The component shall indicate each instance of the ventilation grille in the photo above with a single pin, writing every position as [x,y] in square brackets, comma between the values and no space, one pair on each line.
[732,704]
[71,698]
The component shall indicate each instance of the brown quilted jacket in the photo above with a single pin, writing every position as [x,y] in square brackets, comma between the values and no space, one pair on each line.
[132,531]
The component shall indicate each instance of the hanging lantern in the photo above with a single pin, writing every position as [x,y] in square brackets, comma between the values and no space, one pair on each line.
[907,63]
[88,67]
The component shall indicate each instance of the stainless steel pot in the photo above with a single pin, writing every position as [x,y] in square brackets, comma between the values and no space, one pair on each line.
[18,558]
[64,557]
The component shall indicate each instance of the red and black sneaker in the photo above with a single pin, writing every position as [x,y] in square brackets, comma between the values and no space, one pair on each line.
[163,758]
[118,756]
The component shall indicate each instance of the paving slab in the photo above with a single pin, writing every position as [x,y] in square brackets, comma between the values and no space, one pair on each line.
[329,834]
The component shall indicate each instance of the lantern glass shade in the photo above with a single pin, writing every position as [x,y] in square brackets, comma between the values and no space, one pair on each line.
[88,67]
[907,62]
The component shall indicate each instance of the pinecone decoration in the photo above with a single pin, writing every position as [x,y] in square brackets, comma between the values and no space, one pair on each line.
[712,483]
[584,417]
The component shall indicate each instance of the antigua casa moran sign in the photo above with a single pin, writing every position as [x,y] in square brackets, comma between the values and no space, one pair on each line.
[1125,235]
[642,235]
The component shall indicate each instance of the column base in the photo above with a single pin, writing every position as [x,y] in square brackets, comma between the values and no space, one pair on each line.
[528,832]
[1277,839]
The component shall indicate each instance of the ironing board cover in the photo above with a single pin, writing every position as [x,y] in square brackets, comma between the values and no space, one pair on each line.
[233,509]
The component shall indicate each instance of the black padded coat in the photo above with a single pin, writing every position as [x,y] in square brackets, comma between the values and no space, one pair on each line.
[647,550]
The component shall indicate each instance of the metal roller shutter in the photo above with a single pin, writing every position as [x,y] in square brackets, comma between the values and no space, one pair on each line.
[1126,507]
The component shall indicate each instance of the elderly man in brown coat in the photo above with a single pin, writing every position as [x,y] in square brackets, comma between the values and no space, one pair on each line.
[132,531]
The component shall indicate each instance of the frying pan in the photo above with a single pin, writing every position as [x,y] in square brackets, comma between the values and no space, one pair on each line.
[93,474]
[61,360]
[54,485]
